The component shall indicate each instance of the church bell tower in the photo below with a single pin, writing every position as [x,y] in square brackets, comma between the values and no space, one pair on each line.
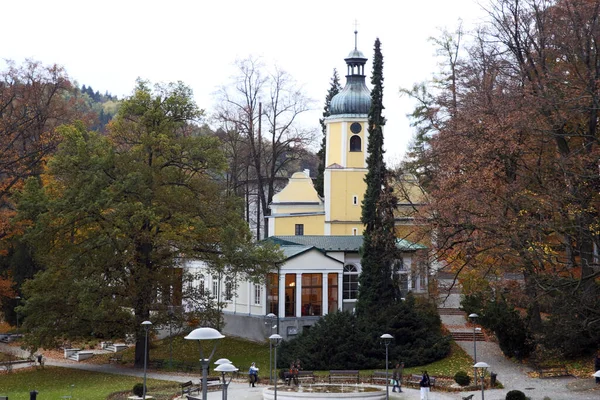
[346,151]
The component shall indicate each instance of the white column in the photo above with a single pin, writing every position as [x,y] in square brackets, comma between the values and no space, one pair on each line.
[325,294]
[263,299]
[298,295]
[340,289]
[281,296]
[250,293]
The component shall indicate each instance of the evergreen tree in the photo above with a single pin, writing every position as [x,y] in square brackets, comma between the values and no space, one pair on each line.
[354,338]
[334,89]
[376,290]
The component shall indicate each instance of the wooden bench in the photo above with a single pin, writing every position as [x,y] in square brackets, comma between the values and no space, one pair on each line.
[344,375]
[302,376]
[381,376]
[554,370]
[414,380]
[117,358]
[306,376]
[189,388]
[156,364]
[212,382]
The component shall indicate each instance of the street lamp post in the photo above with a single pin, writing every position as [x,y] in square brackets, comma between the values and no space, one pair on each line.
[482,367]
[474,317]
[387,339]
[201,334]
[18,298]
[146,325]
[170,312]
[224,368]
[275,339]
[270,319]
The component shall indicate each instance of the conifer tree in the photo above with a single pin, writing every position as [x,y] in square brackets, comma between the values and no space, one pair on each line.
[376,290]
[334,89]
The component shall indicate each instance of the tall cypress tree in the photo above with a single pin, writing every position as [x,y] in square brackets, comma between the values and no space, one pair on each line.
[334,89]
[376,290]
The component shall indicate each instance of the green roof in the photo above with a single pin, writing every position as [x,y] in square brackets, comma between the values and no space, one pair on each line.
[336,243]
[294,250]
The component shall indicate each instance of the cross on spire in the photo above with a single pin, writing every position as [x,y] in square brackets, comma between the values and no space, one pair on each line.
[355,34]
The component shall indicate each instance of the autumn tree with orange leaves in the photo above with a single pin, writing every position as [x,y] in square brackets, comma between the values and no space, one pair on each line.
[511,146]
[34,100]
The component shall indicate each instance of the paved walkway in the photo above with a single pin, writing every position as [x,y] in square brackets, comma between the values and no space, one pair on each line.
[512,375]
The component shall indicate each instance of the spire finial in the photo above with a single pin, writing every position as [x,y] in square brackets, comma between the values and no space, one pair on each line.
[355,35]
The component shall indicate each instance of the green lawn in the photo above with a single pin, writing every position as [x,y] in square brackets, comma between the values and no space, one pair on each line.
[242,352]
[55,382]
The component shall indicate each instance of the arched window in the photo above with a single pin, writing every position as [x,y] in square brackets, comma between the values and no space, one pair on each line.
[355,144]
[350,282]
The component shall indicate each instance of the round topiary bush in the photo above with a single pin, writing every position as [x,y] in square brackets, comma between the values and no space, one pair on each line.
[515,395]
[138,389]
[462,378]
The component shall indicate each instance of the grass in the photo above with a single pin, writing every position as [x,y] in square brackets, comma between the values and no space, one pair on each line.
[55,382]
[242,352]
[239,351]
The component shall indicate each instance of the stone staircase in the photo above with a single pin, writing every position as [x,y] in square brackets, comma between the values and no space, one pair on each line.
[116,347]
[78,354]
[455,321]
[450,311]
[464,336]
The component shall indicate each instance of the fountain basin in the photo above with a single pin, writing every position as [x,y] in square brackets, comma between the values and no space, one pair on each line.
[325,392]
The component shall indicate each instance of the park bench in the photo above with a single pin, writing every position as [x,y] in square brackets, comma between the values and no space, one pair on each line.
[414,380]
[117,358]
[306,376]
[157,364]
[3,397]
[189,388]
[344,375]
[302,377]
[381,376]
[552,370]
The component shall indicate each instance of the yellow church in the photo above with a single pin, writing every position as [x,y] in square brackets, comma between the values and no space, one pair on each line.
[321,237]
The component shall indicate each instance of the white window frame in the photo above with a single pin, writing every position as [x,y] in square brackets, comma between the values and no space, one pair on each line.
[349,270]
[257,294]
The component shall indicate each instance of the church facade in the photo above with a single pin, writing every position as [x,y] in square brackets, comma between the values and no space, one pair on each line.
[321,237]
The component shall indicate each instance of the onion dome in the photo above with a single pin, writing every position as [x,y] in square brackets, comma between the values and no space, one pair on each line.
[355,97]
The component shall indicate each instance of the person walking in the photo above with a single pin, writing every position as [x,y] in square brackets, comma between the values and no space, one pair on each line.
[397,377]
[424,384]
[253,374]
[294,373]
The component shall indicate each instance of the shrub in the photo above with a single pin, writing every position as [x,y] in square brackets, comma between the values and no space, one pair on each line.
[514,338]
[138,389]
[342,340]
[515,395]
[462,378]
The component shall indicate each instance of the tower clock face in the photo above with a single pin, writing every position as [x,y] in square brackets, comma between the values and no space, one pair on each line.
[355,127]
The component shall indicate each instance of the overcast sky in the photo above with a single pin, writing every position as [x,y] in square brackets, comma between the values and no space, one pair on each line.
[108,44]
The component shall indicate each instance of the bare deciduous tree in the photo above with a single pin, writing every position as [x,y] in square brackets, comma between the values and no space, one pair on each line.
[261,109]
